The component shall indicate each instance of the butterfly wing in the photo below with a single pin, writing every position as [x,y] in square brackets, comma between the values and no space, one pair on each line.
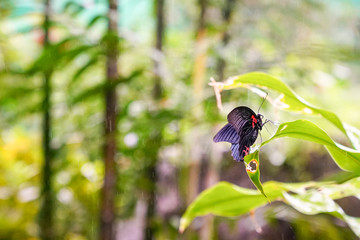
[227,134]
[235,152]
[239,117]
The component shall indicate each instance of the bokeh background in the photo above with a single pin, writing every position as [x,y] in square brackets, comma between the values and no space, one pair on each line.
[166,113]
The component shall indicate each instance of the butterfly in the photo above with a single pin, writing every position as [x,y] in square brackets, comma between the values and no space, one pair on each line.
[241,131]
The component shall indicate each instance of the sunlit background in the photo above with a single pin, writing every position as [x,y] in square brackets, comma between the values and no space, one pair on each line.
[167,113]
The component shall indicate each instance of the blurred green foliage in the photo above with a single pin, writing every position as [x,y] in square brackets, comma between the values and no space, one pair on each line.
[311,45]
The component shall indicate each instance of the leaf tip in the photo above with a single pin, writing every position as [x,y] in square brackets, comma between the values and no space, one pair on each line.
[183,225]
[263,193]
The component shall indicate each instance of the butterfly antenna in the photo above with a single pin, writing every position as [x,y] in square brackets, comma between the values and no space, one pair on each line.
[263,101]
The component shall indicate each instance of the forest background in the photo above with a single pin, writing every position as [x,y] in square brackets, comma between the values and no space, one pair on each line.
[107,119]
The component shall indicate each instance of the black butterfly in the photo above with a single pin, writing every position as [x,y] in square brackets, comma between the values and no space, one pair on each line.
[241,131]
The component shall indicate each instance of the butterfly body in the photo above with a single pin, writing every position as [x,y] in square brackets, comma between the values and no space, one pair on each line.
[241,131]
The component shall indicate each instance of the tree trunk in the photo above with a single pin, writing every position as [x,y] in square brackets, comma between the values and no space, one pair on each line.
[107,211]
[198,87]
[47,211]
[156,136]
[200,58]
[160,23]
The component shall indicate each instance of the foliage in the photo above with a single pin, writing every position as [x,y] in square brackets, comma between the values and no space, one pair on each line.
[310,198]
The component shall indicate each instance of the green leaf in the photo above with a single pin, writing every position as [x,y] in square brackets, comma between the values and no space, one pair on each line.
[71,54]
[92,61]
[252,165]
[315,202]
[73,8]
[95,19]
[346,158]
[354,135]
[101,87]
[225,199]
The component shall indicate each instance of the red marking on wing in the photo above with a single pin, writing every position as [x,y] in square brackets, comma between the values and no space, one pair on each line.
[246,151]
[253,120]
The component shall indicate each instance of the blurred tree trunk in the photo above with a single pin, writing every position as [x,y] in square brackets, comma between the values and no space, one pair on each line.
[107,211]
[199,159]
[203,172]
[156,138]
[160,27]
[201,49]
[47,211]
[226,14]
[209,167]
[209,172]
[198,86]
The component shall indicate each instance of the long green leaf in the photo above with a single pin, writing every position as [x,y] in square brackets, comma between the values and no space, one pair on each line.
[346,158]
[225,199]
[99,88]
[315,202]
[92,61]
